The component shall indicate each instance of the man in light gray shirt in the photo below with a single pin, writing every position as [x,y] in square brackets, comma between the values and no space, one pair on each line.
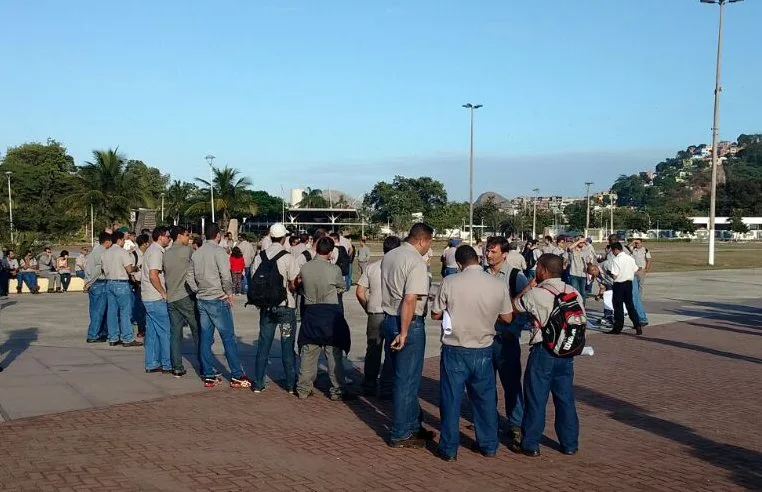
[369,295]
[363,256]
[97,290]
[209,277]
[154,295]
[117,266]
[181,306]
[48,270]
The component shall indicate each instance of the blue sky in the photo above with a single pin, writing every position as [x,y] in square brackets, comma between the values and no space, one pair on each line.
[345,93]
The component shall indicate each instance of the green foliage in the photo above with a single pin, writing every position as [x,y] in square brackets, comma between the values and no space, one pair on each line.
[231,196]
[447,216]
[313,198]
[398,200]
[737,224]
[268,207]
[490,213]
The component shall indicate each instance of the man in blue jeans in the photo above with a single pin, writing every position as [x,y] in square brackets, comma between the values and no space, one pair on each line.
[209,277]
[118,264]
[281,317]
[153,292]
[469,303]
[506,345]
[404,294]
[546,373]
[97,290]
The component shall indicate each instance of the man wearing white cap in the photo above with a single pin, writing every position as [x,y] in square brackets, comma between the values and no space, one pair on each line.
[277,313]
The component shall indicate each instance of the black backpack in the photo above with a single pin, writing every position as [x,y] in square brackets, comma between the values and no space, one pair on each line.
[343,261]
[564,333]
[266,289]
[511,280]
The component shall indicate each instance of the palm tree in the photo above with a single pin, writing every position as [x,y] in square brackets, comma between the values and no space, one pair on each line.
[313,198]
[107,186]
[231,195]
[177,199]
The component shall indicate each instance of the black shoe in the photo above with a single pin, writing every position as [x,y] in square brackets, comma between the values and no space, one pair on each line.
[615,331]
[167,371]
[514,434]
[114,344]
[476,449]
[178,374]
[424,434]
[411,442]
[516,448]
[439,454]
[569,452]
[343,397]
[133,343]
[154,370]
[639,330]
[96,340]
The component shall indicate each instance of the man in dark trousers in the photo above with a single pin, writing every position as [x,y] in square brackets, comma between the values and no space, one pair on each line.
[623,268]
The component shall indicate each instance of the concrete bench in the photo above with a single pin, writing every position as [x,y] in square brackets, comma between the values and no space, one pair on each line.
[76,285]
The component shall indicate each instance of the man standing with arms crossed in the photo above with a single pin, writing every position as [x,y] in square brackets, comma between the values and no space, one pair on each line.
[369,295]
[181,306]
[97,289]
[209,277]
[405,290]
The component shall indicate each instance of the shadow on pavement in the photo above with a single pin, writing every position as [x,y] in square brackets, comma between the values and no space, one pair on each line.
[18,341]
[700,348]
[727,328]
[743,464]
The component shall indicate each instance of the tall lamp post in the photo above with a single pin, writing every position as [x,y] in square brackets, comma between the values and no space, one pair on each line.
[716,127]
[162,208]
[534,213]
[10,203]
[210,159]
[471,108]
[587,214]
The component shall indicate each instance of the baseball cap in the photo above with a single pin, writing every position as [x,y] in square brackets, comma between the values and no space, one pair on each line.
[278,230]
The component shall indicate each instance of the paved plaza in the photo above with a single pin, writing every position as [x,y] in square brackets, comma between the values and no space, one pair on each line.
[675,409]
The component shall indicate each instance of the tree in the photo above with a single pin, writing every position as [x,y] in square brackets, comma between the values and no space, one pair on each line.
[630,190]
[313,198]
[576,215]
[153,182]
[398,200]
[179,196]
[448,216]
[268,206]
[107,186]
[736,223]
[490,213]
[231,195]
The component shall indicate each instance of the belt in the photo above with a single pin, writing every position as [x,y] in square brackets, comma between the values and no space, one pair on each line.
[117,280]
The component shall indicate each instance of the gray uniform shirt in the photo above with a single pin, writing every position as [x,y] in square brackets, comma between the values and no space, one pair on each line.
[209,272]
[473,299]
[578,261]
[371,280]
[114,261]
[363,254]
[248,251]
[176,263]
[322,282]
[94,265]
[404,272]
[153,259]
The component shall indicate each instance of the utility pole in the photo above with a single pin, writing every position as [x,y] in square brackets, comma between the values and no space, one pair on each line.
[471,108]
[587,214]
[10,204]
[716,128]
[210,159]
[534,213]
[611,210]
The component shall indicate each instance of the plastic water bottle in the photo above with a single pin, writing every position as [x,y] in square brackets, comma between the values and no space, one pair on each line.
[588,350]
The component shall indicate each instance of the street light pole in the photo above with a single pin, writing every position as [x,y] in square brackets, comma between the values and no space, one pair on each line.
[471,108]
[611,210]
[210,159]
[587,214]
[534,214]
[162,208]
[92,225]
[716,128]
[10,203]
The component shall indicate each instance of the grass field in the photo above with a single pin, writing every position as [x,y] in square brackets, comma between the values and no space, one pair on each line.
[667,257]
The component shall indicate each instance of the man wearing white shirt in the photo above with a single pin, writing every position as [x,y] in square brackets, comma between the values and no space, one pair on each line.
[623,269]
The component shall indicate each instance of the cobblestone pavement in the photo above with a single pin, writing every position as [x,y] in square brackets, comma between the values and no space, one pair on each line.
[676,409]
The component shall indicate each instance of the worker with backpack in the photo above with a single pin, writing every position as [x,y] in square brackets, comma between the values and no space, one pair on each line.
[557,336]
[271,290]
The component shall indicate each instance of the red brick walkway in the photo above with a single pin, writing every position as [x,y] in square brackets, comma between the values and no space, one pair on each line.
[677,409]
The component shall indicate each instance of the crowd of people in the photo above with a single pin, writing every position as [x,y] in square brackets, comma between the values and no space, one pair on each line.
[165,280]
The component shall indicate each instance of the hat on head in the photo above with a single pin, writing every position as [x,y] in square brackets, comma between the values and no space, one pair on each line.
[278,230]
[124,229]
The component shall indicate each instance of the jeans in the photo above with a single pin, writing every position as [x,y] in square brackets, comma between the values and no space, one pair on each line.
[181,311]
[579,283]
[80,274]
[471,368]
[450,271]
[623,295]
[28,278]
[65,281]
[506,358]
[138,310]
[348,276]
[547,374]
[407,365]
[637,301]
[213,314]
[245,279]
[119,308]
[373,358]
[157,335]
[98,302]
[308,368]
[283,319]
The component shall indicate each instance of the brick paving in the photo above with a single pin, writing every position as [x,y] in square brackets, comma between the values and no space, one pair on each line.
[676,409]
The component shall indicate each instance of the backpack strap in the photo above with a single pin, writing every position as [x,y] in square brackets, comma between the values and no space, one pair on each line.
[307,255]
[280,255]
[512,277]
